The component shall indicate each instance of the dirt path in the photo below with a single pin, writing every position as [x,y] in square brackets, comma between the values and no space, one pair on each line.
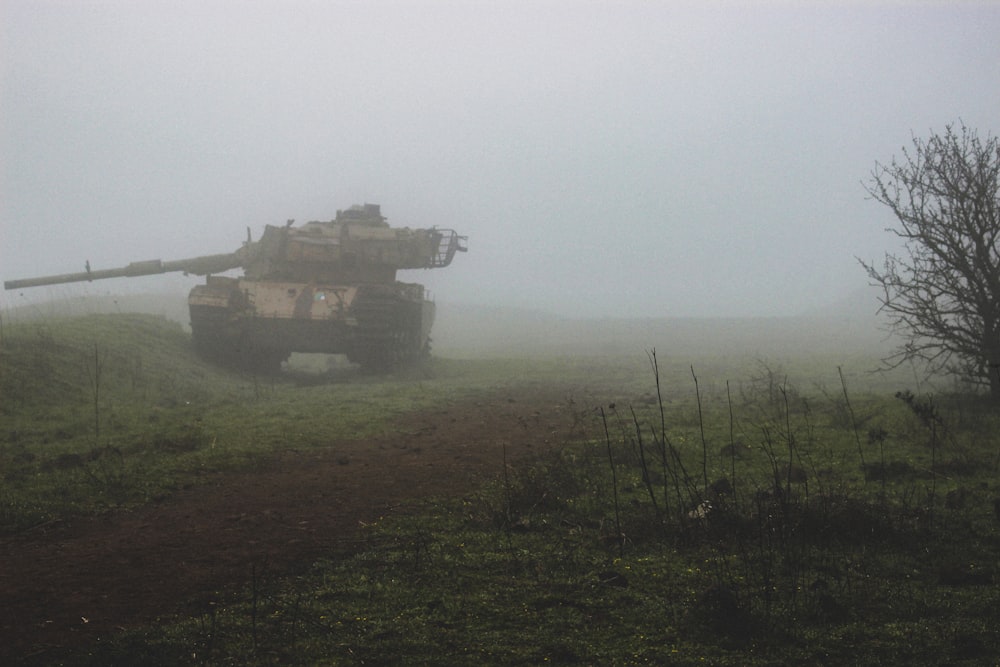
[66,585]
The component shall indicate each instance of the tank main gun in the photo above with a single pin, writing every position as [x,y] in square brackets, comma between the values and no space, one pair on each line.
[199,266]
[357,246]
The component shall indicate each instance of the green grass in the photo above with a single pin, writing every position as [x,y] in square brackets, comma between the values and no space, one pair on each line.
[859,530]
[113,411]
[531,571]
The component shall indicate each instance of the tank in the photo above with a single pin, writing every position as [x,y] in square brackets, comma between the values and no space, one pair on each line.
[327,287]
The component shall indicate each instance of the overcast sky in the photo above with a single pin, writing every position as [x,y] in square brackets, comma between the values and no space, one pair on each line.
[630,159]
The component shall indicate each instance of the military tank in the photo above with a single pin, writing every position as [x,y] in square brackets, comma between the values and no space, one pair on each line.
[327,287]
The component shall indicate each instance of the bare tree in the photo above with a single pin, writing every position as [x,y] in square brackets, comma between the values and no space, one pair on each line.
[942,296]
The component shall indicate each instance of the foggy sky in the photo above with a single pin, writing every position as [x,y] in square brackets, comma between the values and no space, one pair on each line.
[629,159]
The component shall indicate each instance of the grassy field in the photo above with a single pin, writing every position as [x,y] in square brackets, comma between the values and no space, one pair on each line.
[723,508]
[105,411]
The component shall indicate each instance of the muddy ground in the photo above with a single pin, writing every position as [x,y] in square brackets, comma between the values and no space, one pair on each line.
[68,584]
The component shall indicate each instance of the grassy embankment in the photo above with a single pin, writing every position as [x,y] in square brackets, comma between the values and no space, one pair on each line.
[112,411]
[850,528]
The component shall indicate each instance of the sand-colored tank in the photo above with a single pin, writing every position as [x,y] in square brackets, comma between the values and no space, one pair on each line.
[327,287]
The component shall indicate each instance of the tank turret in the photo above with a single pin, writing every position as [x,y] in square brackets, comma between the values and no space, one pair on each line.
[319,287]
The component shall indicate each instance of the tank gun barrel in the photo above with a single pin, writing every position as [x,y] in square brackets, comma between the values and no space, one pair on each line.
[197,265]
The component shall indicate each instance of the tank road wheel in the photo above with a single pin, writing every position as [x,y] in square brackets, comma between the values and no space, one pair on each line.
[408,346]
[399,348]
[219,340]
[263,362]
[208,334]
[389,335]
[378,354]
[374,356]
[258,359]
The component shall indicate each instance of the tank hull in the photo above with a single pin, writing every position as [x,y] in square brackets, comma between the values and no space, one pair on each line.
[255,324]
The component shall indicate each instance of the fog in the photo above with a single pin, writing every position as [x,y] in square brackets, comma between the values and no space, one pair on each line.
[626,159]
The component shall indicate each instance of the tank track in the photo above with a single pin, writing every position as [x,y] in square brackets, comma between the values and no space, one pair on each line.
[389,329]
[221,339]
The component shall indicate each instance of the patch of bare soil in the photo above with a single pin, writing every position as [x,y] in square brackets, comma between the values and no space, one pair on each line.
[68,584]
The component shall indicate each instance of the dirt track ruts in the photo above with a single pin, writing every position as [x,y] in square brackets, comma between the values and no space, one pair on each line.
[68,584]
